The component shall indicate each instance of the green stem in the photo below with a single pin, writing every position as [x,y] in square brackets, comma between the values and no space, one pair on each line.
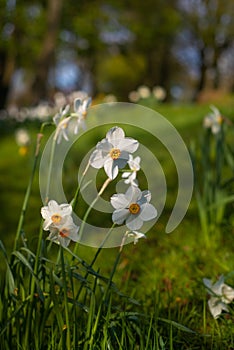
[68,334]
[95,258]
[104,186]
[29,188]
[50,170]
[75,198]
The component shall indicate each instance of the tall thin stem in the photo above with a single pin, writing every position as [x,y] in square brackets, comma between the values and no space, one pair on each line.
[28,190]
[68,331]
[104,186]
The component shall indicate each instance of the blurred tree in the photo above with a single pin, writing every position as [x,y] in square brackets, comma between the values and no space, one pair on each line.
[46,58]
[211,27]
[155,25]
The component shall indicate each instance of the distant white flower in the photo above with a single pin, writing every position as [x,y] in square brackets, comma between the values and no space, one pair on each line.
[113,152]
[221,295]
[80,112]
[134,96]
[62,130]
[144,91]
[61,114]
[55,213]
[133,207]
[159,93]
[213,121]
[65,232]
[22,137]
[130,176]
[137,235]
[110,98]
[61,120]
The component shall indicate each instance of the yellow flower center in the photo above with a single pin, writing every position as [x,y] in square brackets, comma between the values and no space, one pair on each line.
[56,218]
[220,119]
[84,114]
[115,153]
[64,232]
[134,208]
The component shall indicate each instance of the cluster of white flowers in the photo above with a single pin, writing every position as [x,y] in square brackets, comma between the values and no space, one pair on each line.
[43,110]
[221,295]
[112,153]
[143,92]
[63,118]
[132,207]
[213,121]
[59,222]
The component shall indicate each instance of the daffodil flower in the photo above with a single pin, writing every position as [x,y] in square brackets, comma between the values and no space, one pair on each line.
[113,152]
[221,295]
[55,214]
[61,114]
[80,112]
[64,233]
[62,130]
[137,235]
[213,121]
[130,176]
[133,207]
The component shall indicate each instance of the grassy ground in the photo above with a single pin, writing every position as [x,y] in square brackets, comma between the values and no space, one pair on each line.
[163,272]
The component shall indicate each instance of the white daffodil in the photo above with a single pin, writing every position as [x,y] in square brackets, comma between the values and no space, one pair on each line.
[80,112]
[221,295]
[137,235]
[55,214]
[213,121]
[133,207]
[113,152]
[61,114]
[64,233]
[62,130]
[134,165]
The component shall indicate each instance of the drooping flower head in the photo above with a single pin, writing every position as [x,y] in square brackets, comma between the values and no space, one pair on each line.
[136,235]
[221,295]
[133,207]
[80,112]
[61,114]
[55,214]
[130,176]
[113,152]
[64,232]
[213,121]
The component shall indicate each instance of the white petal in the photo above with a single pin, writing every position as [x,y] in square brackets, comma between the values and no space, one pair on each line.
[111,168]
[207,283]
[77,104]
[128,144]
[66,209]
[53,206]
[97,160]
[87,103]
[148,212]
[119,201]
[134,222]
[216,307]
[119,216]
[115,135]
[46,224]
[228,293]
[133,194]
[126,174]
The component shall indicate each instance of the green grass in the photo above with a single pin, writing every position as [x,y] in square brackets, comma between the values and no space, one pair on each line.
[163,273]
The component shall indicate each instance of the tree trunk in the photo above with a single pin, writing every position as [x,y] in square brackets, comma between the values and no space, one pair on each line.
[202,74]
[6,70]
[39,88]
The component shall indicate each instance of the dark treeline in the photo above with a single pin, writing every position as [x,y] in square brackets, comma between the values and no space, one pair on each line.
[116,46]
